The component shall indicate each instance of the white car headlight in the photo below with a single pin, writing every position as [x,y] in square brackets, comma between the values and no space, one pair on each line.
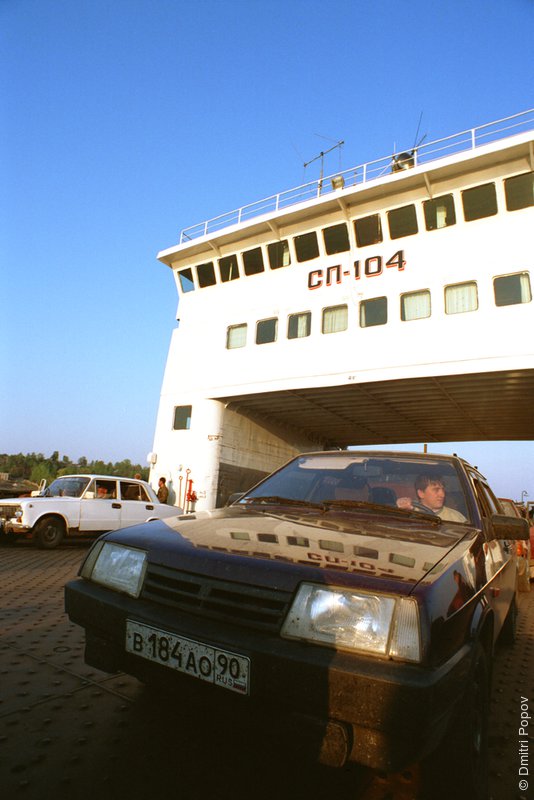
[117,567]
[357,621]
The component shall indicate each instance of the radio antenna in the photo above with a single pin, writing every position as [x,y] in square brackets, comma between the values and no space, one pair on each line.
[406,160]
[321,156]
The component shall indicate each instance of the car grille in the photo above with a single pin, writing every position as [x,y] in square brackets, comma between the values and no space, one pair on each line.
[237,603]
[6,512]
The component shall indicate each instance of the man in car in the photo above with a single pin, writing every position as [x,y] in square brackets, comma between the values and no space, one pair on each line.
[430,493]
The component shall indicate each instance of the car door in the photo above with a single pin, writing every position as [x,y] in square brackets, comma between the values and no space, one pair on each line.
[137,505]
[100,508]
[502,559]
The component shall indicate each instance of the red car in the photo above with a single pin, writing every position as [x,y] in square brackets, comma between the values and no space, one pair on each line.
[525,550]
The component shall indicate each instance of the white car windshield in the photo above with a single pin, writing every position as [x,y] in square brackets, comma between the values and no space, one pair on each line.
[66,487]
[418,484]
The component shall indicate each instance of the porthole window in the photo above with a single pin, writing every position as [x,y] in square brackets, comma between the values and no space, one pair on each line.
[373,312]
[278,253]
[185,276]
[266,330]
[336,239]
[335,319]
[415,305]
[368,230]
[439,212]
[299,325]
[519,191]
[461,298]
[511,290]
[306,246]
[253,261]
[479,202]
[182,418]
[228,268]
[402,222]
[236,336]
[206,274]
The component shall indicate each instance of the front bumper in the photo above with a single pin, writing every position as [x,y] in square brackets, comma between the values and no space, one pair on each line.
[11,526]
[382,714]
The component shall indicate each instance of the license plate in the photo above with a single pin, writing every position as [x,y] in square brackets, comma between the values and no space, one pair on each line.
[210,664]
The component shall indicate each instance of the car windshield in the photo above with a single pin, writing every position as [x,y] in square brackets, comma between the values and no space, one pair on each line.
[338,481]
[66,487]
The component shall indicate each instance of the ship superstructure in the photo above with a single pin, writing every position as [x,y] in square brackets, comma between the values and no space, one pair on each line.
[388,303]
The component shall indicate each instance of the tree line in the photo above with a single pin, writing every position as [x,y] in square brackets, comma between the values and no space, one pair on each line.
[36,466]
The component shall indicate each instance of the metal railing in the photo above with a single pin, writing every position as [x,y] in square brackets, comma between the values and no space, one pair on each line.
[466,140]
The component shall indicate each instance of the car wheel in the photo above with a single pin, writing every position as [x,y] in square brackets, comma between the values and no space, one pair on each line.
[459,766]
[49,533]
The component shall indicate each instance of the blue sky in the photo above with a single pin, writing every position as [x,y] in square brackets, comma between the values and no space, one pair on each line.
[125,121]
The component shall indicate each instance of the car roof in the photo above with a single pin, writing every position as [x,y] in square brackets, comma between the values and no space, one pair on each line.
[102,477]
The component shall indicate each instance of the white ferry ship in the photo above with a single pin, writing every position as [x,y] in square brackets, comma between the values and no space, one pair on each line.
[388,303]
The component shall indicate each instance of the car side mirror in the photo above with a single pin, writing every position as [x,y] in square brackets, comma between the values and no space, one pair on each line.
[513,528]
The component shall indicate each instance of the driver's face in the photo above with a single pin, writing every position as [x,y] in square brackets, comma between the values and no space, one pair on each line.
[433,496]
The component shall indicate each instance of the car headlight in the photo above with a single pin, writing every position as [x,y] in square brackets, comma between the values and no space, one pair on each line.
[356,621]
[117,567]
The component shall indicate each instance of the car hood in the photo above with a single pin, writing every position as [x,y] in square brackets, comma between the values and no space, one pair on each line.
[17,501]
[285,546]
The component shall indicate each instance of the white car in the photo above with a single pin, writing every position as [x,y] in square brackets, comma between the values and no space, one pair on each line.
[81,505]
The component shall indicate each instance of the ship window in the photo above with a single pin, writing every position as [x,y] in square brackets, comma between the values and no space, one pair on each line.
[228,268]
[479,202]
[512,289]
[306,246]
[278,253]
[328,544]
[439,212]
[236,336]
[335,319]
[365,552]
[271,538]
[519,191]
[241,536]
[206,274]
[186,280]
[266,330]
[253,261]
[182,418]
[461,298]
[336,239]
[402,222]
[298,541]
[368,230]
[415,305]
[373,312]
[299,325]
[401,560]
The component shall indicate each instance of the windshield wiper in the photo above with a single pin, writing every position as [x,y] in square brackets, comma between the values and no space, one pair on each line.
[362,504]
[286,501]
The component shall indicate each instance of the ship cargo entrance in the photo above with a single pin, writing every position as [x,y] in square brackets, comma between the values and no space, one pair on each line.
[487,406]
[395,308]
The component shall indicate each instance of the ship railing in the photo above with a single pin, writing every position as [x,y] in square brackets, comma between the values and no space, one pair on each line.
[464,141]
